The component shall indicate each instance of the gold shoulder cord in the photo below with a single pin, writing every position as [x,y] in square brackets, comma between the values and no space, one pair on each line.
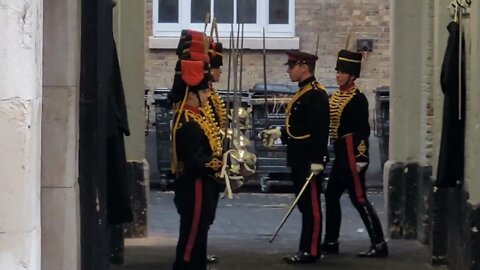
[338,101]
[213,137]
[305,89]
[218,107]
[208,128]
[209,116]
[178,108]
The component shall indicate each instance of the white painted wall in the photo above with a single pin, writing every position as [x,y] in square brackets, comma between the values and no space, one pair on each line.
[20,122]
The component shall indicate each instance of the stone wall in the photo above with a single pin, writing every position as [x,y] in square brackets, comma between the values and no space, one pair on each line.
[21,29]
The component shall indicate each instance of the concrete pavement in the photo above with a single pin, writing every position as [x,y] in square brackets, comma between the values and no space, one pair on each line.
[244,225]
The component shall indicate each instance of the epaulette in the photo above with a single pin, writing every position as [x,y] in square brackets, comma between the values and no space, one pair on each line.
[317,86]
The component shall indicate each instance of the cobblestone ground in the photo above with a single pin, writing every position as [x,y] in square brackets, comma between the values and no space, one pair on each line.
[242,229]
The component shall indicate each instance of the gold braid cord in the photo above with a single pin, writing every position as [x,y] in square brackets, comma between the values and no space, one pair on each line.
[300,93]
[338,101]
[215,164]
[218,107]
[176,166]
[209,130]
[362,148]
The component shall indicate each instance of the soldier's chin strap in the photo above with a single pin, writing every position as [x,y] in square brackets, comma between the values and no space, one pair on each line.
[347,83]
[199,101]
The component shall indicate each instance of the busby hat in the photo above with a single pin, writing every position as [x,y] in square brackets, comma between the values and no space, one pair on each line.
[192,74]
[193,45]
[216,55]
[299,57]
[349,62]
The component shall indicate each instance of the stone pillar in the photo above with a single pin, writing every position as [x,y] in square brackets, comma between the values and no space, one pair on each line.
[472,147]
[60,193]
[20,122]
[408,99]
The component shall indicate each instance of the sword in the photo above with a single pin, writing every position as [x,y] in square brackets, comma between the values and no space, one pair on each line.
[214,29]
[207,20]
[347,42]
[235,89]
[227,99]
[309,179]
[265,113]
[241,62]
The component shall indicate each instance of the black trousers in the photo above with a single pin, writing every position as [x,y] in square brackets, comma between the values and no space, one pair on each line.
[345,176]
[216,187]
[310,207]
[195,205]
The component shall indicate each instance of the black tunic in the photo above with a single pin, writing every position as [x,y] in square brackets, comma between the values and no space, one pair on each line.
[195,189]
[350,116]
[309,116]
[306,136]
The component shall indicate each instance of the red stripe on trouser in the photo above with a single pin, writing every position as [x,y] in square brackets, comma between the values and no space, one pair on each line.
[353,168]
[196,220]
[317,222]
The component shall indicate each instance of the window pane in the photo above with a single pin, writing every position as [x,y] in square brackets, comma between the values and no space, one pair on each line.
[168,11]
[247,11]
[278,12]
[223,11]
[199,8]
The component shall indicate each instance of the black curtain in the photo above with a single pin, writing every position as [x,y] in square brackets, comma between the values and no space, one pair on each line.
[452,149]
[104,199]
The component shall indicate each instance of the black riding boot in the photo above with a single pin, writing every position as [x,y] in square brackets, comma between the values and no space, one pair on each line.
[378,248]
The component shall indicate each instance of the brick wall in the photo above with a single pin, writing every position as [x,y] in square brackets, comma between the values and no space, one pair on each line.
[333,20]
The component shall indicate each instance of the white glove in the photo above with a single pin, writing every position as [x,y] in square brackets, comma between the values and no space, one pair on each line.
[361,165]
[269,136]
[316,168]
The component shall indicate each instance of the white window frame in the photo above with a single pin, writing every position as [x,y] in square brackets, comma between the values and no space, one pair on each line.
[250,30]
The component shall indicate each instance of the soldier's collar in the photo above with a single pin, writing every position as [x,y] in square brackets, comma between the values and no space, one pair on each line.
[306,81]
[192,108]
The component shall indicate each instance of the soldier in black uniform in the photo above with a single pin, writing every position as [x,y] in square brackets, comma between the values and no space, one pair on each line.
[216,113]
[349,132]
[306,136]
[196,159]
